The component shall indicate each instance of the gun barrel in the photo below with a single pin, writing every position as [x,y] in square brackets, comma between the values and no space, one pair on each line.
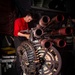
[63,31]
[66,31]
[60,43]
[44,21]
[57,18]
[38,32]
[46,43]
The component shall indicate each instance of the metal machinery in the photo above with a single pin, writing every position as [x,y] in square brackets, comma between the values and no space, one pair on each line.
[7,54]
[6,63]
[36,60]
[38,55]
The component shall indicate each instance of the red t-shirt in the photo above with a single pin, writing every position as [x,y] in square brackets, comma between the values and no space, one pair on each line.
[19,25]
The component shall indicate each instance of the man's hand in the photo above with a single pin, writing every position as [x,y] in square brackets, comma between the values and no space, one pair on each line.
[24,35]
[27,36]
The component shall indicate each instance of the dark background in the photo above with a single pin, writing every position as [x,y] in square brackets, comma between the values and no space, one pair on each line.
[12,9]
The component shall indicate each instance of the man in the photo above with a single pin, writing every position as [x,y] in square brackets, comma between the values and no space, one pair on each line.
[20,25]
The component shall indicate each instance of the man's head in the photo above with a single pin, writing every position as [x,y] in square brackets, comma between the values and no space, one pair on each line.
[28,17]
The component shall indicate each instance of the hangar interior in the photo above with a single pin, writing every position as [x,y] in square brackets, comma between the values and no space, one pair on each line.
[62,35]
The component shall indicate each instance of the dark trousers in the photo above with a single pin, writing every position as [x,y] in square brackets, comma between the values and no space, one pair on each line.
[17,42]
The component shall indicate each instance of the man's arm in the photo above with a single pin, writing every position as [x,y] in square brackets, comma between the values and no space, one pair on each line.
[24,35]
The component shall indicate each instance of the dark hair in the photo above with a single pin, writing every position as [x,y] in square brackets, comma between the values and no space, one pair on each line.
[29,13]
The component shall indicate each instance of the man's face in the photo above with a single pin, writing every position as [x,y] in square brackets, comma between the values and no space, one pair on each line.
[29,18]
